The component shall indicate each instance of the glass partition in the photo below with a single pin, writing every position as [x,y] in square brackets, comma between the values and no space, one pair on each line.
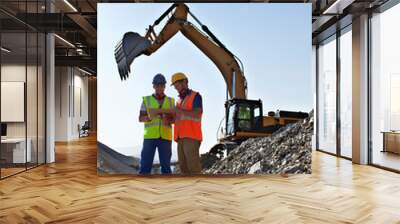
[31,100]
[385,89]
[22,77]
[15,150]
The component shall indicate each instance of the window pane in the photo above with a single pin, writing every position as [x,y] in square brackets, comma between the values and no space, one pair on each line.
[231,122]
[386,89]
[327,96]
[346,94]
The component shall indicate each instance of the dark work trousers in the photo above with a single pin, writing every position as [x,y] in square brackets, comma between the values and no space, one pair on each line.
[147,155]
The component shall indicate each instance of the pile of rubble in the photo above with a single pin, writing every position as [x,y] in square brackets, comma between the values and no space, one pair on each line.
[288,150]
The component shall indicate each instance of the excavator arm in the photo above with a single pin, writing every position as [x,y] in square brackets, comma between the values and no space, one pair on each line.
[133,45]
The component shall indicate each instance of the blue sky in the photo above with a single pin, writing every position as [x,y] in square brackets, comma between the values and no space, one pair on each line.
[272,40]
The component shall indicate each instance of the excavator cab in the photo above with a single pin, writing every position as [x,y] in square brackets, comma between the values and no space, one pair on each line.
[245,119]
[243,116]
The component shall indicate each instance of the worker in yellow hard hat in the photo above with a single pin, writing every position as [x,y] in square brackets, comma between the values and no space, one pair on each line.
[187,130]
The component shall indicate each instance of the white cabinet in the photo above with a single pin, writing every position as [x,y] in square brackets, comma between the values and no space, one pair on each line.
[18,149]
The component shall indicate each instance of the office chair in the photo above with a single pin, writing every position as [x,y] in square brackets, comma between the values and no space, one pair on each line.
[84,130]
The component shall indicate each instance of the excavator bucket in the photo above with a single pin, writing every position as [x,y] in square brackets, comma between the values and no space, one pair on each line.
[131,46]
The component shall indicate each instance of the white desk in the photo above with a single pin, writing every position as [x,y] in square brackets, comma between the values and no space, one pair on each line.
[18,144]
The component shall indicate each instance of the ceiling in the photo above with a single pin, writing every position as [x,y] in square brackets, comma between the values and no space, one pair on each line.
[75,23]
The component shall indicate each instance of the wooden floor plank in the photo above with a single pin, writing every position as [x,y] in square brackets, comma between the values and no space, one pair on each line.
[70,191]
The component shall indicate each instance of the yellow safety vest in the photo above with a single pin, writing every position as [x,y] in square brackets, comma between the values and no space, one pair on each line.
[155,129]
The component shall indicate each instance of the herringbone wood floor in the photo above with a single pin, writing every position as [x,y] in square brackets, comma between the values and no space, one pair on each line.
[70,191]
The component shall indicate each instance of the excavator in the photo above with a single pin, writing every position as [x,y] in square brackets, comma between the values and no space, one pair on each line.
[244,118]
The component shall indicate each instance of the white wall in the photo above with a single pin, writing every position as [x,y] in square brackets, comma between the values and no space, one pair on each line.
[71,94]
[17,72]
[80,83]
[61,103]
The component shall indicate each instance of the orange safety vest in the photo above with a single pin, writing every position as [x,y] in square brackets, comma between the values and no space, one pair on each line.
[187,126]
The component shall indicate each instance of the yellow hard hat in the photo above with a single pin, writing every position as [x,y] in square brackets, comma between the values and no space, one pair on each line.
[177,77]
